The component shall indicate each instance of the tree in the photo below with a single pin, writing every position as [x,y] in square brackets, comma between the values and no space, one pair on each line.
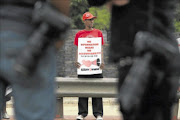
[177,18]
[177,26]
[77,9]
[103,17]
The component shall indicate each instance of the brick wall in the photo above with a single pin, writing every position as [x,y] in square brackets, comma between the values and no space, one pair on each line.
[66,57]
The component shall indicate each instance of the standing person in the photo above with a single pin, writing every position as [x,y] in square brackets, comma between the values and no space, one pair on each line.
[29,91]
[97,103]
[143,45]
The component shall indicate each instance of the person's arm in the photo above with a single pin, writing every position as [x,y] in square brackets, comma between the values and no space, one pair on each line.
[120,2]
[102,58]
[101,2]
[117,3]
[77,64]
[108,2]
[63,7]
[102,51]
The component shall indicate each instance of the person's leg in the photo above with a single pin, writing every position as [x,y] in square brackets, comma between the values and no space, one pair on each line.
[4,108]
[82,102]
[2,96]
[97,106]
[83,106]
[34,96]
[4,113]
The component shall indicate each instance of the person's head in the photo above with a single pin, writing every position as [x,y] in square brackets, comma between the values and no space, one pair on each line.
[88,20]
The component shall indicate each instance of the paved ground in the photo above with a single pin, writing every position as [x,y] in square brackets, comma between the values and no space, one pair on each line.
[88,118]
[70,110]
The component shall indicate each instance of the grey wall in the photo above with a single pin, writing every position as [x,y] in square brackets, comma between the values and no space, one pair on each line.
[177,34]
[66,57]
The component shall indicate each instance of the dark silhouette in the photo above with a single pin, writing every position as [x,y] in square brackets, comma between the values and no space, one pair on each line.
[143,45]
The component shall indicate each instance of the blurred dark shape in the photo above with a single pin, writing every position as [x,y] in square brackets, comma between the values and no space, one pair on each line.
[20,2]
[51,24]
[98,62]
[152,69]
[27,36]
[97,2]
[143,43]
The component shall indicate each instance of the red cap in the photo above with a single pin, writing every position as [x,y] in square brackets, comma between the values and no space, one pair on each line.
[87,15]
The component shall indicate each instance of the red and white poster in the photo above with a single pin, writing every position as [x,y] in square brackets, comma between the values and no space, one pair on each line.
[89,55]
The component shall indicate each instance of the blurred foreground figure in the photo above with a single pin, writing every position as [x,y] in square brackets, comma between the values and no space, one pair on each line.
[28,43]
[143,45]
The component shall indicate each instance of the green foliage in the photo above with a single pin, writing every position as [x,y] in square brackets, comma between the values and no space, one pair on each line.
[103,17]
[77,9]
[177,18]
[177,26]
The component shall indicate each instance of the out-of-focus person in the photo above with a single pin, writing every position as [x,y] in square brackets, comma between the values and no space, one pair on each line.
[34,94]
[142,31]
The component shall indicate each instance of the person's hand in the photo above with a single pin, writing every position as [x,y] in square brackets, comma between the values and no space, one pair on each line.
[77,64]
[179,89]
[59,44]
[117,3]
[120,2]
[102,66]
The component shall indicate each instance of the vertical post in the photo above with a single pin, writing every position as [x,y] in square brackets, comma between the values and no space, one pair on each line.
[59,107]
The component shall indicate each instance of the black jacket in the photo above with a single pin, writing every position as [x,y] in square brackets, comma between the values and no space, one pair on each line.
[155,16]
[30,2]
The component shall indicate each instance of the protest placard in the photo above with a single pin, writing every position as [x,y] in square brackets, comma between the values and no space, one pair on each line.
[89,55]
